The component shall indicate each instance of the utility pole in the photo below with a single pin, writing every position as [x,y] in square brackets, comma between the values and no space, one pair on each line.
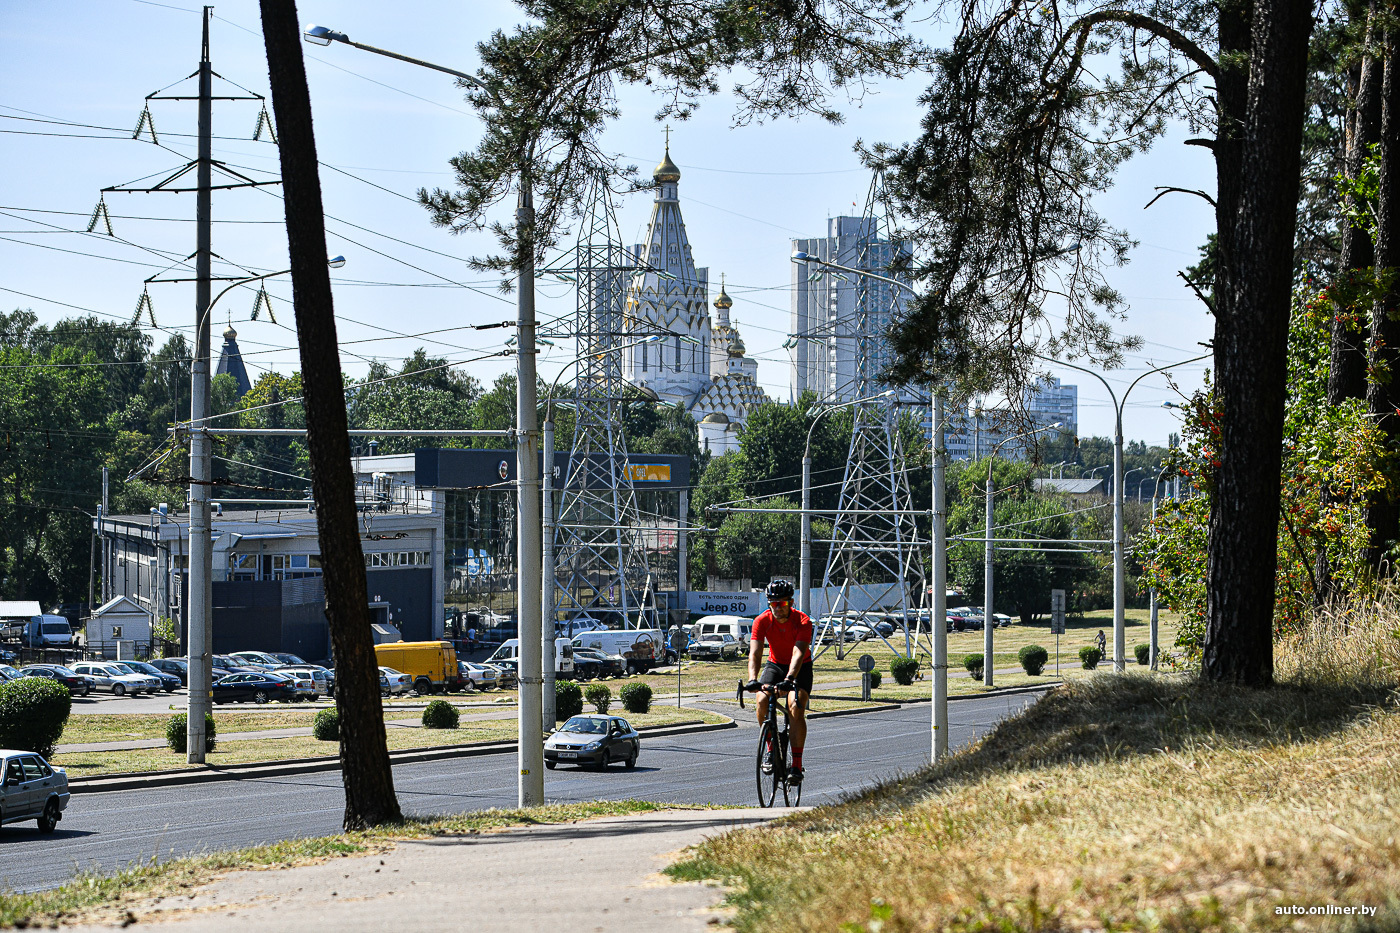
[201,598]
[938,620]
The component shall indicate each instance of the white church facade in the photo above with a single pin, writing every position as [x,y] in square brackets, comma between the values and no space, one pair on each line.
[700,362]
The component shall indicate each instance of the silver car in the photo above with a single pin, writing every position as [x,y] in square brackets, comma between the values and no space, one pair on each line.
[31,790]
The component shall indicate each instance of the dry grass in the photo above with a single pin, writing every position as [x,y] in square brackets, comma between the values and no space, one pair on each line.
[1125,803]
[118,897]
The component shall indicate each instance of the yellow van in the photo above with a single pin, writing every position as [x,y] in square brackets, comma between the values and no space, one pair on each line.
[431,664]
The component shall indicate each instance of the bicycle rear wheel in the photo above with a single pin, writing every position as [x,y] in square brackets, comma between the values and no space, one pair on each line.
[767,783]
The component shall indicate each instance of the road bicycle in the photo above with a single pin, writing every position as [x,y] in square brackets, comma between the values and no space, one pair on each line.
[770,736]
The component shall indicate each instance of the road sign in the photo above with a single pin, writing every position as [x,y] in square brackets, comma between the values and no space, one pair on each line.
[866,663]
[1057,612]
[678,639]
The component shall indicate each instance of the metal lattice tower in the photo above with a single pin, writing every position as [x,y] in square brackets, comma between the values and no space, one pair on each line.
[874,540]
[600,562]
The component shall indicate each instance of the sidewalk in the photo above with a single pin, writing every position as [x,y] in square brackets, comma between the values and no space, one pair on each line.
[590,876]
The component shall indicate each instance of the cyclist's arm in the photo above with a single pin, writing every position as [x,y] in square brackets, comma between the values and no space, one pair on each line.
[799,654]
[755,657]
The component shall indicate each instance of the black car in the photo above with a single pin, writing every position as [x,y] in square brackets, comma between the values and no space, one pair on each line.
[606,665]
[178,668]
[167,680]
[258,686]
[77,684]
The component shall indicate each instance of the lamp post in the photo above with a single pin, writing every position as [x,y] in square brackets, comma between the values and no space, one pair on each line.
[1119,624]
[1152,591]
[548,716]
[988,620]
[938,619]
[530,786]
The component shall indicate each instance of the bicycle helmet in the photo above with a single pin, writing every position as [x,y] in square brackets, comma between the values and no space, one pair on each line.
[779,589]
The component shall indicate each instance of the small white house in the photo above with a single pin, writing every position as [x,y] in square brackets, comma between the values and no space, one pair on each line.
[121,620]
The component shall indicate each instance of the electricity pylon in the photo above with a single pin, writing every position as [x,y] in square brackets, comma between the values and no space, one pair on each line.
[874,541]
[601,566]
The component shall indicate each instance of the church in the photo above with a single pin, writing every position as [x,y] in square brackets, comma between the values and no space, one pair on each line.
[702,363]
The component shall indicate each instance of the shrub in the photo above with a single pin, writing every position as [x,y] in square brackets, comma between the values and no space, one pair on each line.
[177,733]
[973,663]
[1144,653]
[326,725]
[1090,656]
[636,698]
[440,714]
[600,696]
[568,699]
[1033,658]
[904,670]
[874,679]
[33,711]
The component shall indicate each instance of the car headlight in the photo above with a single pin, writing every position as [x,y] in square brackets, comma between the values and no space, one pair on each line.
[591,747]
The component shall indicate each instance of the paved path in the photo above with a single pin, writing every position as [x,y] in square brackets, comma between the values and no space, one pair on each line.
[584,877]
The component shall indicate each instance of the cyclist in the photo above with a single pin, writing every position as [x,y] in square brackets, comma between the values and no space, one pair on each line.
[788,632]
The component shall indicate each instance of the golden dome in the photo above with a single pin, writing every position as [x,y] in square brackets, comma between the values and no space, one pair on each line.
[667,171]
[723,302]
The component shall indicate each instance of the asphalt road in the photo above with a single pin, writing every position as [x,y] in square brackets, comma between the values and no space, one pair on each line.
[106,831]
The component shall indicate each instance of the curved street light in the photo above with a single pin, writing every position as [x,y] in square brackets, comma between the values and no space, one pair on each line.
[1119,582]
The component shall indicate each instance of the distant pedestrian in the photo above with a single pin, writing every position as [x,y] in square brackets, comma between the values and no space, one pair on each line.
[471,637]
[1102,644]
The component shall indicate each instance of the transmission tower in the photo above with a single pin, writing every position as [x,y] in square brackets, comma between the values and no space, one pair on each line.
[874,541]
[601,567]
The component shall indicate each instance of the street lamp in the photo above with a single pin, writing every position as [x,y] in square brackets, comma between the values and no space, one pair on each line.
[1152,591]
[530,784]
[988,620]
[1119,580]
[547,632]
[939,604]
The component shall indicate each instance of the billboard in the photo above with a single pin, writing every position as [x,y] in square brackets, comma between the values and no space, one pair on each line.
[708,602]
[649,472]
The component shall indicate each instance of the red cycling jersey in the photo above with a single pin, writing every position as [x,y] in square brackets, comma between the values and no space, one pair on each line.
[783,636]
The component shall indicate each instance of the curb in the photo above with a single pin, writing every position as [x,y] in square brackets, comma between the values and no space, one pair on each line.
[173,778]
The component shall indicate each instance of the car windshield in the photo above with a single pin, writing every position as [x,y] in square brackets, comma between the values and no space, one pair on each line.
[61,671]
[56,628]
[585,725]
[123,668]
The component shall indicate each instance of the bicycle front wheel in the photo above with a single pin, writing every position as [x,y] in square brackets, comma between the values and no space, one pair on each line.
[768,783]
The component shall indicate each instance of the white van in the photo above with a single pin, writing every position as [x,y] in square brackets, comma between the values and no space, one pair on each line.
[641,648]
[740,627]
[563,654]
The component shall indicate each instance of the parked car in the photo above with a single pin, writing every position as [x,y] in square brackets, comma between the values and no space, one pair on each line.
[715,648]
[178,668]
[285,658]
[303,684]
[507,673]
[30,789]
[593,740]
[609,665]
[168,681]
[256,659]
[110,675]
[321,683]
[77,684]
[481,676]
[1003,620]
[8,673]
[258,686]
[398,682]
[233,665]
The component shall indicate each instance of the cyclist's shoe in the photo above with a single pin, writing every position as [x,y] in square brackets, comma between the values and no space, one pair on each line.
[794,776]
[768,762]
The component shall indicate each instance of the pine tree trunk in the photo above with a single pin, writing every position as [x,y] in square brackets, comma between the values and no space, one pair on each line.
[1383,389]
[1251,349]
[364,752]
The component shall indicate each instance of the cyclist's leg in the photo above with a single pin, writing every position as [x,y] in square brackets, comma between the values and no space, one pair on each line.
[798,712]
[771,674]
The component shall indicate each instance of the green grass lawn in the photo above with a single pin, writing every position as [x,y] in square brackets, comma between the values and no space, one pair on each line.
[249,751]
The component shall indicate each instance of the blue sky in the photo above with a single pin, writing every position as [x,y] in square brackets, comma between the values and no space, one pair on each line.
[745,191]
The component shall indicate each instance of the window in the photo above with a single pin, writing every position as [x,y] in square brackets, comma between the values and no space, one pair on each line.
[34,768]
[13,772]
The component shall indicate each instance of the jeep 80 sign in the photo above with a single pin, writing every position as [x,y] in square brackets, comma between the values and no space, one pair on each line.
[708,603]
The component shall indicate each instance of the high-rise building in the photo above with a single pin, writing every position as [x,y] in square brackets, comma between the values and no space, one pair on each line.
[823,339]
[1047,401]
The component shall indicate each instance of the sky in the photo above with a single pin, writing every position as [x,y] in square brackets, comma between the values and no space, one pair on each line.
[387,128]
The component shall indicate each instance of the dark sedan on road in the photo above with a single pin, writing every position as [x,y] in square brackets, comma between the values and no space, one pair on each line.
[77,684]
[593,740]
[178,668]
[608,665]
[258,686]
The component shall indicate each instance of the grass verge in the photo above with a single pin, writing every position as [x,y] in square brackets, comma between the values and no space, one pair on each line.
[89,898]
[1124,803]
[231,751]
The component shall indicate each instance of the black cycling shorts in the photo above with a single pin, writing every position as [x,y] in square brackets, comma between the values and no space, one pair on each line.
[776,673]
